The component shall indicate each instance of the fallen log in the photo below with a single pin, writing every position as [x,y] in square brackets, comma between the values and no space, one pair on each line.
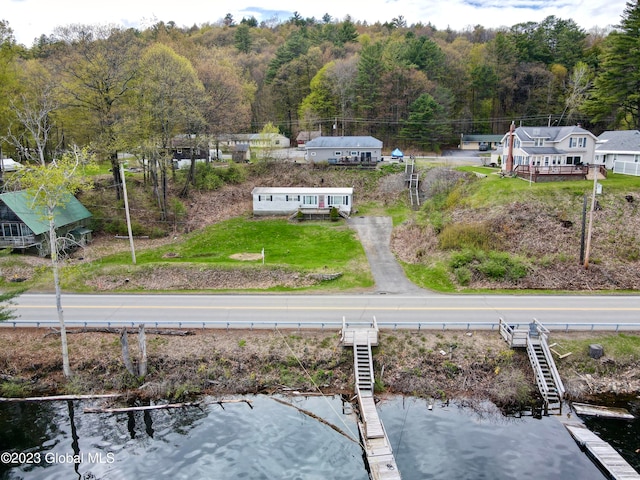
[163,406]
[222,402]
[57,398]
[142,408]
[316,417]
[153,331]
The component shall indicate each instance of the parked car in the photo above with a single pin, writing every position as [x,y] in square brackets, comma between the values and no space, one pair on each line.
[10,165]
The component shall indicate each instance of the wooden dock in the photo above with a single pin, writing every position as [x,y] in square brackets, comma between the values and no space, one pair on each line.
[376,445]
[602,453]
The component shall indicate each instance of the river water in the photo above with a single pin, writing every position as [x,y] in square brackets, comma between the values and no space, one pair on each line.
[56,440]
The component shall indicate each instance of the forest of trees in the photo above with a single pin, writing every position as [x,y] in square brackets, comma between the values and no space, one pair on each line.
[114,90]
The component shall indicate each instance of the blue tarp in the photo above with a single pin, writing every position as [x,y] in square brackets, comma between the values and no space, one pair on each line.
[397,153]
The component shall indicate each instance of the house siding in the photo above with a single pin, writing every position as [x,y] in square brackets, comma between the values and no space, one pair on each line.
[550,146]
[288,200]
[344,149]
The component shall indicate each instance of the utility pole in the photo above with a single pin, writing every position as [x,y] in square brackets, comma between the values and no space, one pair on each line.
[584,224]
[126,210]
[593,207]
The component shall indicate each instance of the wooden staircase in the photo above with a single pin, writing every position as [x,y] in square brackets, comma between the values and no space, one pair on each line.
[534,339]
[547,376]
[411,179]
[363,368]
[377,448]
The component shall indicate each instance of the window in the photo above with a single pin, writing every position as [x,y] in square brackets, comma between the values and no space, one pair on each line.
[578,142]
[10,230]
[310,200]
[538,142]
[293,198]
[337,154]
[265,198]
[574,160]
[337,200]
[354,154]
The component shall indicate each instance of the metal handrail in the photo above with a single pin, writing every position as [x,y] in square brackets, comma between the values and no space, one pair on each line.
[552,367]
[542,385]
[559,326]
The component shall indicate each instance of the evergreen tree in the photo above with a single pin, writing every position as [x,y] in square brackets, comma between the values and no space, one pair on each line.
[615,98]
[242,38]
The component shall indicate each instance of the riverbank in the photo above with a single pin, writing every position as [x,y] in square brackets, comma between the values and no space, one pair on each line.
[428,363]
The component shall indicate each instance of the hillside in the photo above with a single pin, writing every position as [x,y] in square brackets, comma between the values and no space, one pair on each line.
[471,233]
[502,233]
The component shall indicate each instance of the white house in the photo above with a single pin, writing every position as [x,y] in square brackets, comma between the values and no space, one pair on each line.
[548,147]
[254,140]
[288,200]
[619,151]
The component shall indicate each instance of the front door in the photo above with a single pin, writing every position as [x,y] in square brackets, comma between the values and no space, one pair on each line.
[320,201]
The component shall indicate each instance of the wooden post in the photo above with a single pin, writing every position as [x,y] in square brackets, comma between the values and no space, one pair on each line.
[126,358]
[584,224]
[142,342]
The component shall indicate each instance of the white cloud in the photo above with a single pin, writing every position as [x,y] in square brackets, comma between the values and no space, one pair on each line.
[31,18]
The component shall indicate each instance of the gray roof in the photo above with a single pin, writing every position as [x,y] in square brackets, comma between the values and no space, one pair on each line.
[303,190]
[344,142]
[482,138]
[553,134]
[619,141]
[542,151]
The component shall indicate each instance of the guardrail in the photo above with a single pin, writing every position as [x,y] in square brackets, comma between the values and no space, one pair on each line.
[559,326]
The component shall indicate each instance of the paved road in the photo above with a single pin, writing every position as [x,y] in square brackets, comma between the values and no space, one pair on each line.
[396,301]
[313,310]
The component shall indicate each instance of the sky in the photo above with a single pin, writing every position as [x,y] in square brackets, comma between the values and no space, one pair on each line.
[31,18]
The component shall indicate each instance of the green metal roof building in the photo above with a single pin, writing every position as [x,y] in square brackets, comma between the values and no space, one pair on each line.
[23,226]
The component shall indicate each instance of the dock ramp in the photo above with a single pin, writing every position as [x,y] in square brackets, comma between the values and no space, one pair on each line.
[381,462]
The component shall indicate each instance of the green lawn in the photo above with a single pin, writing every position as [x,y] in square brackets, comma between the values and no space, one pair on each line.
[307,247]
[494,190]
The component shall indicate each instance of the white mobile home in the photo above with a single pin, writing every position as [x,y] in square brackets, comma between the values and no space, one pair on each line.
[288,200]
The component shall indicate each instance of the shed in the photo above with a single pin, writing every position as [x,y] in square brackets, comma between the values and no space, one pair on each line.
[289,200]
[23,227]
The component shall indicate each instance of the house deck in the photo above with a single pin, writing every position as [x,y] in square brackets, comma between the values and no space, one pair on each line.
[537,173]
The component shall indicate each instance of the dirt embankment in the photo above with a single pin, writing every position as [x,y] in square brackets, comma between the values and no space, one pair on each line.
[453,364]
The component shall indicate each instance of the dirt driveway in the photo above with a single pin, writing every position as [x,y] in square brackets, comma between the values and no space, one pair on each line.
[375,236]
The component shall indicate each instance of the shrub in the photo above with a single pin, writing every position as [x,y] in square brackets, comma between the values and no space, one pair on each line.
[234,174]
[463,276]
[492,265]
[465,235]
[463,258]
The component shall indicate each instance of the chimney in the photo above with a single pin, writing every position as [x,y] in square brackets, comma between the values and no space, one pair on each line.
[512,129]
